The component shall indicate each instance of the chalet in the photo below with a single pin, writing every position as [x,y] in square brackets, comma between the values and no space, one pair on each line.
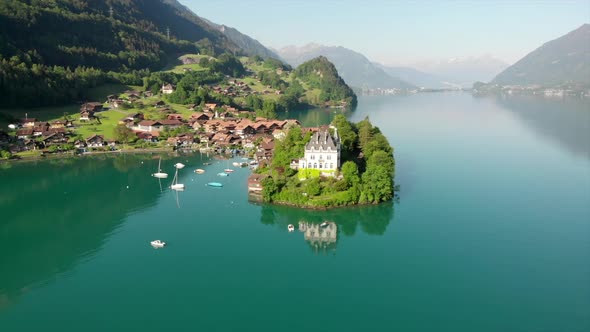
[95,141]
[116,103]
[93,107]
[174,117]
[149,126]
[206,138]
[200,117]
[28,122]
[133,96]
[127,121]
[171,124]
[52,138]
[192,107]
[260,128]
[24,133]
[244,128]
[147,137]
[130,119]
[181,140]
[148,93]
[40,128]
[196,125]
[86,115]
[211,126]
[210,107]
[166,110]
[267,149]
[60,124]
[167,89]
[255,182]
[110,98]
[159,103]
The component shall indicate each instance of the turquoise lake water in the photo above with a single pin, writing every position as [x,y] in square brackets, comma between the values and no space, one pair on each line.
[491,232]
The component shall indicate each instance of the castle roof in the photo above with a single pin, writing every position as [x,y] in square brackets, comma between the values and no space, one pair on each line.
[321,140]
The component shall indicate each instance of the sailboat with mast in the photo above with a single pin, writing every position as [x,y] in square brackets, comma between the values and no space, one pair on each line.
[175,185]
[160,174]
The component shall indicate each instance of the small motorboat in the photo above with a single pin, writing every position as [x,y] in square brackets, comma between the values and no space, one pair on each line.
[179,165]
[235,163]
[206,164]
[228,170]
[244,165]
[290,228]
[177,187]
[215,184]
[158,244]
[222,174]
[199,171]
[324,224]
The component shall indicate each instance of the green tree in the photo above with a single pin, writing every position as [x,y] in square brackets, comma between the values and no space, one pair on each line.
[123,134]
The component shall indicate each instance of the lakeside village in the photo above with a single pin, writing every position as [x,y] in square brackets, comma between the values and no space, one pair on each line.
[211,126]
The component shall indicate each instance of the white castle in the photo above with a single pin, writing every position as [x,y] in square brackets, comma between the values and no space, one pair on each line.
[322,152]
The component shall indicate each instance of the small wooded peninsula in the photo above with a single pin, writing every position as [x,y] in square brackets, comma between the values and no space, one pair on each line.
[343,164]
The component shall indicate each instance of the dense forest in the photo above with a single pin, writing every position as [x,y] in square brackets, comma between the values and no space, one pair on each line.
[52,51]
[368,169]
[321,74]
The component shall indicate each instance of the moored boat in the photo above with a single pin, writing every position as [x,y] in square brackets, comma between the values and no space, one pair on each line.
[158,244]
[228,170]
[159,174]
[222,174]
[199,171]
[290,228]
[215,184]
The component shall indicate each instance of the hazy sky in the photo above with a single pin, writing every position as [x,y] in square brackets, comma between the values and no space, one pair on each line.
[402,32]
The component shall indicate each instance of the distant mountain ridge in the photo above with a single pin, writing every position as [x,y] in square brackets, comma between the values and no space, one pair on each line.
[353,67]
[562,61]
[464,71]
[417,77]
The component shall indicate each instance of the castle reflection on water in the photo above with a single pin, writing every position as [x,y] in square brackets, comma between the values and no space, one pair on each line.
[321,237]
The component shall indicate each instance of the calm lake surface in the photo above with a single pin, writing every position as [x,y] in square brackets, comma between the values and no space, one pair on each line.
[491,233]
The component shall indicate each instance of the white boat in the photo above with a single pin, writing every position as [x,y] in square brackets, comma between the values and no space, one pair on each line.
[175,185]
[199,171]
[324,224]
[228,170]
[179,165]
[290,228]
[158,244]
[160,174]
[235,163]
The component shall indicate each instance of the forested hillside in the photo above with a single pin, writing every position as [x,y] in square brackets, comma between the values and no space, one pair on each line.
[321,74]
[48,46]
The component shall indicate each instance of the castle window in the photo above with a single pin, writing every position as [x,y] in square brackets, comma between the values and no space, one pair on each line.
[331,165]
[320,165]
[315,165]
[329,157]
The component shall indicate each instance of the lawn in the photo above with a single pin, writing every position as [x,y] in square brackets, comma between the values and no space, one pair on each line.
[176,66]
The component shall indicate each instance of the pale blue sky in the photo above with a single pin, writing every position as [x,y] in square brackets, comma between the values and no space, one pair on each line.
[406,32]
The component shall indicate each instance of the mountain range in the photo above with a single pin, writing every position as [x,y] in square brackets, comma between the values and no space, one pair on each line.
[563,61]
[353,67]
[247,44]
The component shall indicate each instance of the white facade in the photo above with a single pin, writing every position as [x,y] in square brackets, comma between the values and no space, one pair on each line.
[322,152]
